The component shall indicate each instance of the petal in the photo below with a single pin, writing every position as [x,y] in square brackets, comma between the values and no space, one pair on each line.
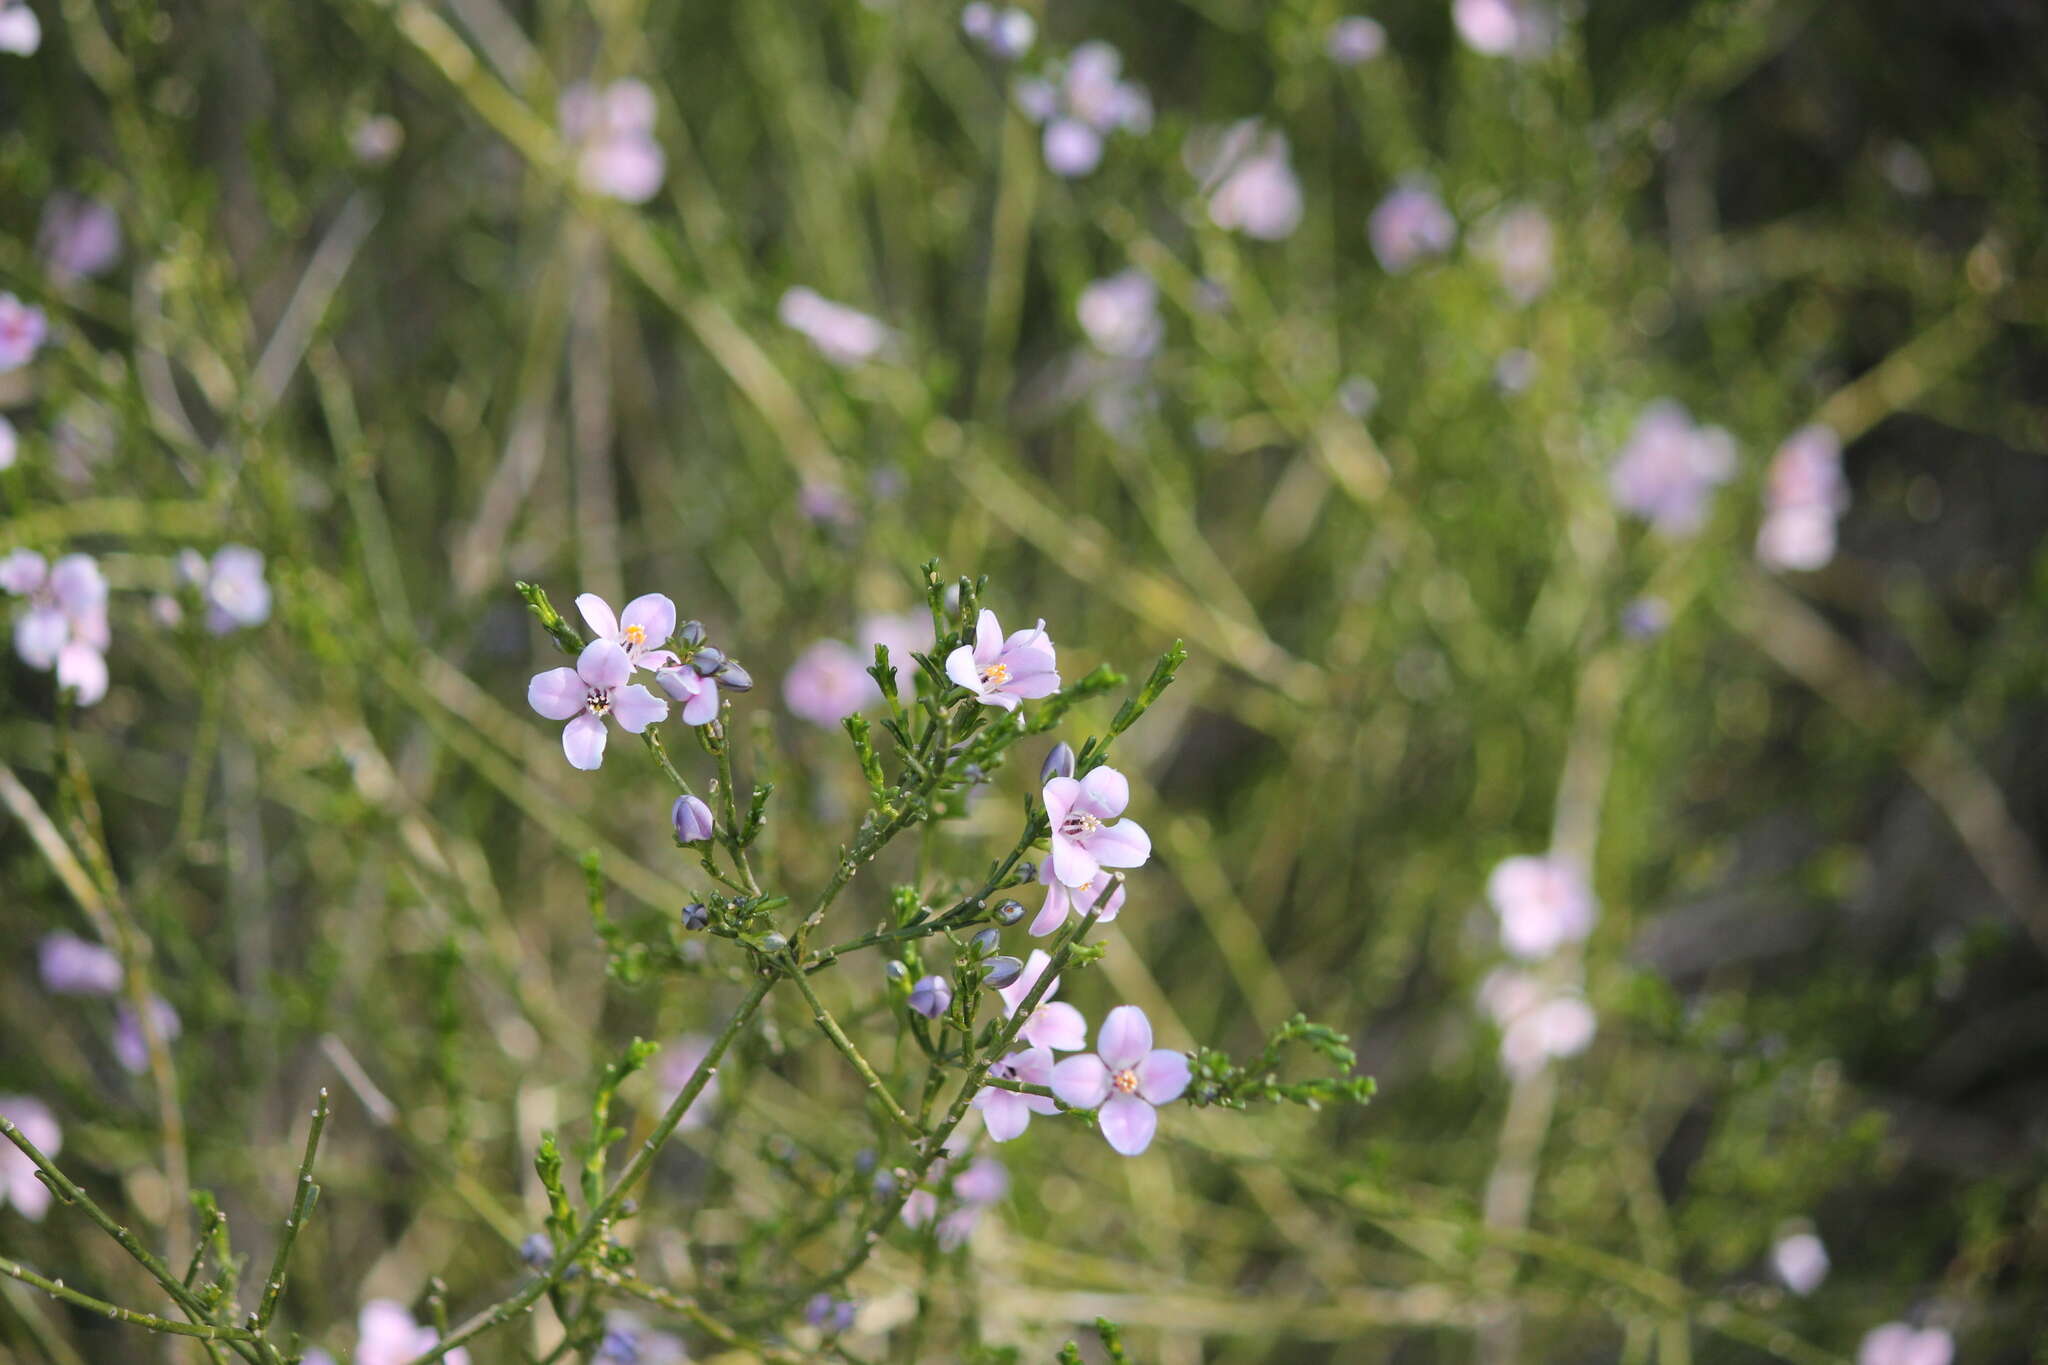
[83,670]
[1128,1122]
[1032,686]
[960,668]
[1034,967]
[702,709]
[1003,1113]
[1054,913]
[597,614]
[654,614]
[988,638]
[1105,793]
[658,659]
[1002,699]
[1072,863]
[1033,1066]
[1059,797]
[39,634]
[1123,844]
[1081,1082]
[603,664]
[1125,1037]
[1163,1076]
[29,1195]
[1035,636]
[583,741]
[1058,1026]
[635,708]
[557,694]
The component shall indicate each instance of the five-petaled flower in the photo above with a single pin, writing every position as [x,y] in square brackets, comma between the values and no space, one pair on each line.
[1125,1077]
[22,328]
[1054,1025]
[1543,904]
[641,629]
[65,626]
[1007,1113]
[584,695]
[1086,834]
[1002,672]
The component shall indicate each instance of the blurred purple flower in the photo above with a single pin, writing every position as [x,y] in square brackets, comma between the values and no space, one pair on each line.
[20,32]
[1054,1025]
[1522,29]
[641,629]
[78,237]
[1005,1113]
[1537,1022]
[1003,671]
[1543,904]
[131,1049]
[1805,494]
[1061,900]
[376,139]
[679,1062]
[232,587]
[629,1341]
[1801,1261]
[387,1335]
[70,965]
[931,996]
[1521,243]
[1006,33]
[22,329]
[1125,1077]
[1897,1343]
[1120,314]
[825,504]
[845,336]
[830,1315]
[1086,834]
[1409,224]
[65,626]
[1354,40]
[829,680]
[18,1183]
[1669,469]
[584,695]
[1083,103]
[1645,618]
[612,133]
[1245,171]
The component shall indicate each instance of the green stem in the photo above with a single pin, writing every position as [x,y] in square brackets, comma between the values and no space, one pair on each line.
[302,1205]
[824,1020]
[205,1331]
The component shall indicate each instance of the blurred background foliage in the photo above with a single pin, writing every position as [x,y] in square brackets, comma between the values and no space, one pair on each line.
[1813,806]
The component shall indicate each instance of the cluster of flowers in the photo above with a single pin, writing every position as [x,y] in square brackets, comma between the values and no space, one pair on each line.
[1543,904]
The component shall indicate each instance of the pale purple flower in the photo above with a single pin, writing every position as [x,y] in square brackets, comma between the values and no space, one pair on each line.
[641,629]
[1005,32]
[1669,469]
[1250,182]
[1801,1261]
[1120,314]
[70,965]
[20,32]
[584,695]
[830,1315]
[1898,1343]
[1054,1025]
[1411,223]
[376,139]
[1805,494]
[629,1341]
[1086,834]
[980,1185]
[65,626]
[1354,40]
[1522,29]
[1645,618]
[22,326]
[1125,1077]
[692,820]
[232,587]
[1087,100]
[931,996]
[1005,1113]
[18,1183]
[829,681]
[1907,170]
[1521,243]
[1543,904]
[612,133]
[387,1335]
[679,1062]
[1537,1022]
[1003,671]
[131,1049]
[845,336]
[10,444]
[825,504]
[78,237]
[1062,900]
[1358,396]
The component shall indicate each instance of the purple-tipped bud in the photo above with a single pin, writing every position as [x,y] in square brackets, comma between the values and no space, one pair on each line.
[1026,873]
[1009,912]
[1058,763]
[1001,972]
[895,971]
[985,942]
[733,678]
[537,1251]
[695,916]
[707,660]
[692,633]
[692,820]
[932,996]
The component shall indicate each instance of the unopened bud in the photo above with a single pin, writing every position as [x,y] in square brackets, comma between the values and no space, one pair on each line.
[1009,912]
[733,678]
[537,1251]
[1058,763]
[692,820]
[695,916]
[1027,871]
[1001,972]
[773,943]
[707,660]
[895,971]
[692,633]
[985,942]
[932,996]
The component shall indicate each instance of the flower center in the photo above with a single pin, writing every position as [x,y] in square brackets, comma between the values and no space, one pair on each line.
[636,635]
[1079,825]
[599,701]
[995,675]
[1125,1082]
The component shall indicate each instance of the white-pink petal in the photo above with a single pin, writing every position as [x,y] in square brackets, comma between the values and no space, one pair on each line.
[597,614]
[603,664]
[557,694]
[583,741]
[1081,1082]
[1128,1123]
[654,613]
[1163,1076]
[636,708]
[1125,1037]
[1104,793]
[1058,1026]
[1123,844]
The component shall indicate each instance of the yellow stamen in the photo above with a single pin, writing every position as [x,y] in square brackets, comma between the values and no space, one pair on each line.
[636,635]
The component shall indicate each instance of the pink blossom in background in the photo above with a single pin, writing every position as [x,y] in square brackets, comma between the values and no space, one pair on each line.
[1005,1113]
[1521,244]
[1086,100]
[1801,1261]
[70,965]
[10,444]
[20,31]
[1898,1343]
[1543,904]
[131,1048]
[1805,494]
[1354,40]
[18,1183]
[65,627]
[78,237]
[1004,32]
[1062,900]
[1054,1025]
[584,695]
[1522,29]
[1246,172]
[1125,1078]
[1086,834]
[1410,225]
[629,1341]
[232,586]
[1538,1022]
[845,336]
[1005,671]
[1668,471]
[22,329]
[387,1335]
[376,139]
[679,1061]
[612,134]
[829,680]
[1120,315]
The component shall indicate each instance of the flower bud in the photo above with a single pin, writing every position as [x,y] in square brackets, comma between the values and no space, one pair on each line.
[1001,972]
[1058,763]
[1009,912]
[537,1251]
[692,820]
[773,942]
[695,916]
[932,996]
[692,633]
[985,942]
[1026,873]
[895,971]
[708,660]
[733,678]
